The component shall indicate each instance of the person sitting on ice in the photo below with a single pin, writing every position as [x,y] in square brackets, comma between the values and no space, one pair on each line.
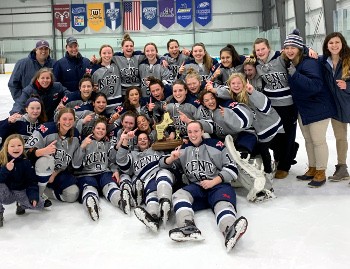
[208,172]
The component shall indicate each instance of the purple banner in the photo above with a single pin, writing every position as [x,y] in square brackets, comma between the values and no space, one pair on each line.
[203,11]
[79,18]
[112,15]
[184,12]
[166,13]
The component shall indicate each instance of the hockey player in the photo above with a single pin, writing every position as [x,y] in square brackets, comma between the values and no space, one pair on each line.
[152,66]
[24,124]
[143,166]
[209,171]
[128,123]
[51,148]
[107,78]
[94,175]
[194,82]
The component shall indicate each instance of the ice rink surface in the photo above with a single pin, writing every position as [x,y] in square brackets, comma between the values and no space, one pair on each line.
[302,228]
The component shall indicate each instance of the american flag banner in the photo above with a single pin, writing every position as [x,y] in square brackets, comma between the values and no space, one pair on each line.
[132,16]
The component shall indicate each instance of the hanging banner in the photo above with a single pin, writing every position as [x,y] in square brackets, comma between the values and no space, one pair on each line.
[112,15]
[79,19]
[166,13]
[149,14]
[96,16]
[203,11]
[62,17]
[184,12]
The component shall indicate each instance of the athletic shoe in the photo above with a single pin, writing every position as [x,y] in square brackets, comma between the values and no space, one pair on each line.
[92,206]
[189,232]
[151,221]
[265,195]
[235,232]
[165,209]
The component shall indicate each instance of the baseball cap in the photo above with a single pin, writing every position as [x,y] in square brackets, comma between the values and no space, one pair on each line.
[42,43]
[70,40]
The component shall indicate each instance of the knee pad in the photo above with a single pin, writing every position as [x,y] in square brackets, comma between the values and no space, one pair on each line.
[45,166]
[70,194]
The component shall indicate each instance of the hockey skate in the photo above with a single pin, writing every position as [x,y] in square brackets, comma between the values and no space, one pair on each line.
[127,185]
[125,199]
[165,208]
[235,232]
[19,209]
[92,206]
[251,177]
[139,191]
[189,232]
[151,221]
[265,195]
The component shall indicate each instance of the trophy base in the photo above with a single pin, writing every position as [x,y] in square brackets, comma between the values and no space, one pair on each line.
[166,145]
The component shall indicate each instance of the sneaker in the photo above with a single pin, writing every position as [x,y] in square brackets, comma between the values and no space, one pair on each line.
[235,232]
[189,232]
[165,208]
[1,219]
[265,195]
[19,209]
[139,191]
[151,221]
[125,200]
[92,207]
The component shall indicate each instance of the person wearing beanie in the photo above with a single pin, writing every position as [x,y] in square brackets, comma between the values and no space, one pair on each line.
[70,69]
[25,68]
[314,103]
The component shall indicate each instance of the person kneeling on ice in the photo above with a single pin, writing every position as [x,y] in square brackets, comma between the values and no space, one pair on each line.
[143,164]
[209,170]
[18,182]
[94,175]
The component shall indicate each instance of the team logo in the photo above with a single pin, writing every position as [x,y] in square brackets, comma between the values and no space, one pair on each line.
[55,96]
[225,195]
[167,12]
[88,71]
[79,20]
[43,128]
[149,12]
[184,9]
[118,109]
[233,104]
[113,14]
[197,101]
[65,99]
[78,10]
[63,16]
[203,5]
[95,14]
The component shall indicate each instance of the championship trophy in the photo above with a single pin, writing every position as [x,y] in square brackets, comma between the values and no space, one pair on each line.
[162,143]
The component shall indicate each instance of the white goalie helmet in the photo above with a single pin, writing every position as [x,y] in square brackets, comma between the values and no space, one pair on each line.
[45,165]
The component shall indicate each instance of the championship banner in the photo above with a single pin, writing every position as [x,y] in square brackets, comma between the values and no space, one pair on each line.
[62,17]
[149,14]
[96,16]
[184,12]
[79,19]
[203,11]
[112,15]
[166,13]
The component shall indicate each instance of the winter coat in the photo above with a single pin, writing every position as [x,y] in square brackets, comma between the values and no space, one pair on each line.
[70,70]
[51,97]
[310,92]
[341,97]
[24,72]
[21,177]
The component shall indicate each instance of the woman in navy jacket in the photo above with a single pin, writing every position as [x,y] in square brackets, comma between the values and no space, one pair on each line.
[314,103]
[336,62]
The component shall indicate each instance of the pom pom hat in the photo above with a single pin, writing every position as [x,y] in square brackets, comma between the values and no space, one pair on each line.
[294,39]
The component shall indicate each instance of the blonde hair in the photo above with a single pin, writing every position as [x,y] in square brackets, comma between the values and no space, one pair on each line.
[3,152]
[192,73]
[241,97]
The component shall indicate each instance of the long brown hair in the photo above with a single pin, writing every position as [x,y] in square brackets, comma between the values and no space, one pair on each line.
[99,52]
[60,113]
[43,70]
[207,60]
[344,53]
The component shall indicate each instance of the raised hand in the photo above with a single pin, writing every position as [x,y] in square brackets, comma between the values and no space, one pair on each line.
[183,117]
[182,68]
[222,110]
[10,165]
[50,149]
[13,118]
[151,105]
[249,87]
[87,141]
[88,118]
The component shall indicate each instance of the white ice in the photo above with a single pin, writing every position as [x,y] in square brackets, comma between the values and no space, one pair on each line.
[302,228]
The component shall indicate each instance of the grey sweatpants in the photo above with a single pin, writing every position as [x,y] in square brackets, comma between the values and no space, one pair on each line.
[8,197]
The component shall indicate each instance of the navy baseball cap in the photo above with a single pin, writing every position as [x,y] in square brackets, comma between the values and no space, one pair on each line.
[70,40]
[42,43]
